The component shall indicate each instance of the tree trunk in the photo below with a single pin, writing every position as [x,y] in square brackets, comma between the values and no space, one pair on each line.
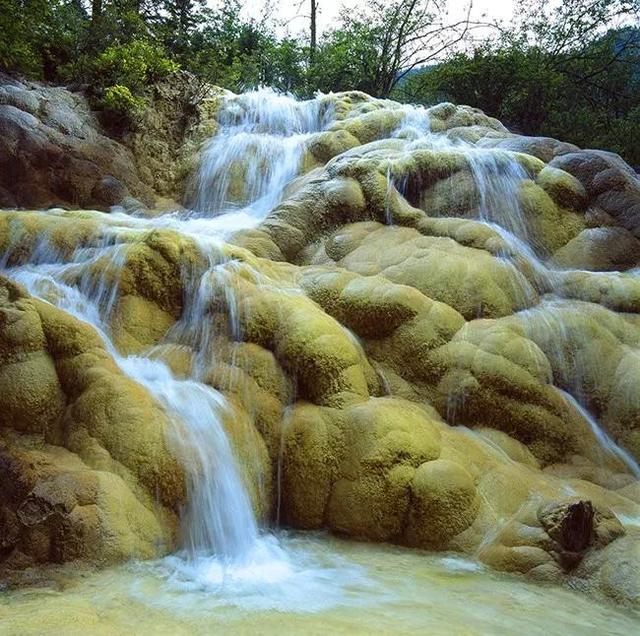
[313,43]
[96,11]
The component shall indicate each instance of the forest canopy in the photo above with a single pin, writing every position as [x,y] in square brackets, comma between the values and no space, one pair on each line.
[569,70]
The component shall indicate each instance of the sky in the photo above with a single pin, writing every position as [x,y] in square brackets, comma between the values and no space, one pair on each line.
[330,9]
[296,14]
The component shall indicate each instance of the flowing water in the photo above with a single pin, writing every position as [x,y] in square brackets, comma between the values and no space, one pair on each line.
[227,567]
[256,153]
[263,134]
[338,587]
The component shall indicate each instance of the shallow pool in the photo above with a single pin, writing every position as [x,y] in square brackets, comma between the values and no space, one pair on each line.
[311,584]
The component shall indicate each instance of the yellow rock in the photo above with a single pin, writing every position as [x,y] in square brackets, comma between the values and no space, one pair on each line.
[444,503]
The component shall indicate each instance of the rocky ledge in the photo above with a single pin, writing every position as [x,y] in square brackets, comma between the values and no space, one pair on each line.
[55,152]
[395,362]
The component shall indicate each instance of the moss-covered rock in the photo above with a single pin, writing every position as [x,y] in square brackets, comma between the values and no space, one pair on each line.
[96,456]
[396,364]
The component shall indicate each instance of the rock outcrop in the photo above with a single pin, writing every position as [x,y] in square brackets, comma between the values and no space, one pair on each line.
[84,463]
[397,361]
[54,151]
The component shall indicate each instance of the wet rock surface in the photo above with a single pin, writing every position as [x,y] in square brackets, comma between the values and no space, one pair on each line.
[55,152]
[571,525]
[401,341]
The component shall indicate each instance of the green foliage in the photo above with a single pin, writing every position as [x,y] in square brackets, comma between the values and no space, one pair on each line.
[239,53]
[38,37]
[591,99]
[346,60]
[134,65]
[559,70]
[120,101]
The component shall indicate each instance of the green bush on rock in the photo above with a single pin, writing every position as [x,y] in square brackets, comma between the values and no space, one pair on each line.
[118,101]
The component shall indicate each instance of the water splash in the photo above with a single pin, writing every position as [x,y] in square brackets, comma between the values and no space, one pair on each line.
[218,520]
[415,124]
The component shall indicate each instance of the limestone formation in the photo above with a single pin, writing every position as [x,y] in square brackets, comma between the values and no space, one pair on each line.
[85,464]
[401,361]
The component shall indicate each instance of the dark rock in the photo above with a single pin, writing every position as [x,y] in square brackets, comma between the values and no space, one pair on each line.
[131,205]
[109,191]
[611,184]
[544,148]
[55,152]
[52,152]
[569,524]
[600,249]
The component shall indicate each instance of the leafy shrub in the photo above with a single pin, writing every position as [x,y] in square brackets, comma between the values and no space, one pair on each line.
[119,99]
[120,108]
[133,65]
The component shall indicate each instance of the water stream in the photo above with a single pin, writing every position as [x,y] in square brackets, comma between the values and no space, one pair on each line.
[221,546]
[339,587]
[242,176]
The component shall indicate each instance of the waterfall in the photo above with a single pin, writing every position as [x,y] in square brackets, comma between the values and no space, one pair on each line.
[243,174]
[498,177]
[256,153]
[606,443]
[415,124]
[218,519]
[220,540]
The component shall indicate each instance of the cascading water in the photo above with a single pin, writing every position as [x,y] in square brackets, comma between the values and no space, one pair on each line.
[605,441]
[415,123]
[243,174]
[256,152]
[222,548]
[219,519]
[498,177]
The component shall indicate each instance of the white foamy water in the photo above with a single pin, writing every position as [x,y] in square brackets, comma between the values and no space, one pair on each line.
[605,441]
[498,177]
[338,587]
[256,152]
[224,558]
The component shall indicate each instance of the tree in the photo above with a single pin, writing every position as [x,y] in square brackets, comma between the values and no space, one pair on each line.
[571,71]
[178,21]
[40,38]
[313,43]
[392,38]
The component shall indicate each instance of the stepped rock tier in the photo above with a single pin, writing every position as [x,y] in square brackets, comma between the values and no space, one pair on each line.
[401,324]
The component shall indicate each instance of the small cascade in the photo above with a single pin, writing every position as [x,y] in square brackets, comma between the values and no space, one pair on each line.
[218,521]
[415,124]
[547,326]
[218,524]
[71,285]
[256,152]
[388,212]
[498,177]
[264,135]
[604,440]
